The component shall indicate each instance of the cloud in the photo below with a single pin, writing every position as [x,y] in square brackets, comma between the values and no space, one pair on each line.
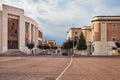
[55,17]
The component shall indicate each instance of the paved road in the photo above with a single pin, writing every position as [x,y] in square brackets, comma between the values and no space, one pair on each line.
[49,67]
[32,68]
[93,68]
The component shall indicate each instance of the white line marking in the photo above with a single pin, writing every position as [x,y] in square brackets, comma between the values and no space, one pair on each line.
[10,59]
[65,68]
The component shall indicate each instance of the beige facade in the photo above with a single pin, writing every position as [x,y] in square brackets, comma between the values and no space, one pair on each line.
[106,31]
[51,43]
[87,32]
[74,34]
[13,33]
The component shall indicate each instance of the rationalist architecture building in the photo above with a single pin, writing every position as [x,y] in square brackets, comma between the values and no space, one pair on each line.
[50,43]
[103,37]
[105,33]
[74,34]
[16,30]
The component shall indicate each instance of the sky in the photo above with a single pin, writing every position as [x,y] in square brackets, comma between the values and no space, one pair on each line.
[56,17]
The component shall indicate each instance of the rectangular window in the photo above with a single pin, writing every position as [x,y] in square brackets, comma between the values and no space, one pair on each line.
[113,38]
[26,42]
[26,27]
[113,27]
[31,29]
[75,32]
[32,32]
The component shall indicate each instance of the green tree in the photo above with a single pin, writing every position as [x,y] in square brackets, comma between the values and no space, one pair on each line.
[68,44]
[82,43]
[30,46]
[39,46]
[46,46]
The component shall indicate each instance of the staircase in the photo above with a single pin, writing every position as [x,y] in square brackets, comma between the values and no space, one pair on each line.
[14,52]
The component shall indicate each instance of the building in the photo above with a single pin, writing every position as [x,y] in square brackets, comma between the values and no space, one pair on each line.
[87,32]
[51,43]
[16,30]
[102,38]
[74,34]
[105,32]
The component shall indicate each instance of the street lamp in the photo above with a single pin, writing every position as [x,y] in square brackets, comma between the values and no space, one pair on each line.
[73,40]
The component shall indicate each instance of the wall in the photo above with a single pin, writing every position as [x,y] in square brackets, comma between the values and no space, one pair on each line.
[103,48]
[111,32]
[97,31]
[0,32]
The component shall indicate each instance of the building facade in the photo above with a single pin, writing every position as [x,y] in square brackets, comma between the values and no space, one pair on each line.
[105,32]
[16,30]
[102,38]
[51,43]
[74,34]
[87,32]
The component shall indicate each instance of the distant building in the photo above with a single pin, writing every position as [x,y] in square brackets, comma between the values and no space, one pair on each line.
[106,31]
[87,32]
[101,37]
[74,34]
[51,43]
[16,30]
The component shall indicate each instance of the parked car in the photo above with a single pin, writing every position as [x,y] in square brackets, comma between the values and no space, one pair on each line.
[65,53]
[49,52]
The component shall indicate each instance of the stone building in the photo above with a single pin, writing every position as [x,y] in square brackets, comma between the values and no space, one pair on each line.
[74,34]
[102,38]
[105,33]
[16,30]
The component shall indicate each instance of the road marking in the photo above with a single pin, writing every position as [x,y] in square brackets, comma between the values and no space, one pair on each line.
[65,68]
[10,59]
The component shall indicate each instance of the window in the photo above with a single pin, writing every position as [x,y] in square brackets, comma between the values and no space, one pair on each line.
[31,29]
[26,42]
[12,25]
[76,38]
[113,27]
[113,38]
[75,32]
[26,27]
[15,31]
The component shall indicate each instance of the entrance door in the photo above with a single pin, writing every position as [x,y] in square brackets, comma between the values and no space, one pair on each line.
[12,33]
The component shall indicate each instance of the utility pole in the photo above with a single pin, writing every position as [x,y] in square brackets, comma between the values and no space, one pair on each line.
[73,39]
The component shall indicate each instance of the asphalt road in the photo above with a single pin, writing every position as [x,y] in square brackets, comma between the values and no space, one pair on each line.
[50,67]
[32,68]
[94,68]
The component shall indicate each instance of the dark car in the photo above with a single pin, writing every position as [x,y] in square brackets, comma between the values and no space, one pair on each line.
[65,53]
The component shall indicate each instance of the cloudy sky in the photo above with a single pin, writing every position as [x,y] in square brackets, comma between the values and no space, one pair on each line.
[55,17]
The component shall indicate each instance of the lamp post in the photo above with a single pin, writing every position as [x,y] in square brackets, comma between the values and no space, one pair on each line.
[73,40]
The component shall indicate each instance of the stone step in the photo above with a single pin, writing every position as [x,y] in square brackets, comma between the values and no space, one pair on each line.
[14,52]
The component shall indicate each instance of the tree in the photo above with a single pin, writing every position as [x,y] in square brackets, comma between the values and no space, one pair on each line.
[30,46]
[82,43]
[39,46]
[55,47]
[45,46]
[68,44]
[117,44]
